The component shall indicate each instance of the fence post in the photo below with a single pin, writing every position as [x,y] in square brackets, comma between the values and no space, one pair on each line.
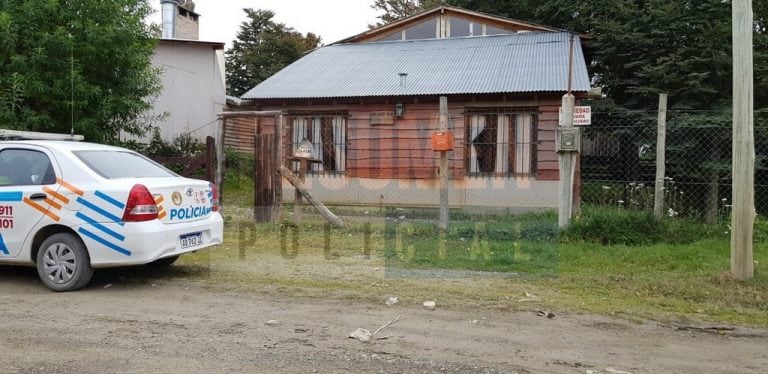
[220,159]
[661,157]
[743,219]
[264,173]
[211,173]
[277,178]
[443,224]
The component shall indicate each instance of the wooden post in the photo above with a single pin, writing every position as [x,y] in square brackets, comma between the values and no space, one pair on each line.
[220,159]
[211,161]
[277,179]
[321,208]
[742,220]
[303,165]
[265,172]
[567,165]
[661,157]
[443,223]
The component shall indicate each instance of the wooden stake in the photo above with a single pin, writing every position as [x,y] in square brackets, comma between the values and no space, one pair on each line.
[742,220]
[443,223]
[661,157]
[327,214]
[303,165]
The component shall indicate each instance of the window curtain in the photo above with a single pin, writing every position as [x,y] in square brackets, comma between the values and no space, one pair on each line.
[476,126]
[339,142]
[502,145]
[523,131]
[298,135]
[299,131]
[317,143]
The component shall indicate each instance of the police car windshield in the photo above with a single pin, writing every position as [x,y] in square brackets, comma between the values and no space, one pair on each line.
[119,164]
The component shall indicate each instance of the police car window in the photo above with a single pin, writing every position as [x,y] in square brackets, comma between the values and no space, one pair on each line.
[23,167]
[120,164]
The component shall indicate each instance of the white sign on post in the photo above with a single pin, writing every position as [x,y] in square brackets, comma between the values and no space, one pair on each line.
[582,115]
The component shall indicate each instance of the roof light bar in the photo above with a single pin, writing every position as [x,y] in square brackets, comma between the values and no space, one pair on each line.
[31,135]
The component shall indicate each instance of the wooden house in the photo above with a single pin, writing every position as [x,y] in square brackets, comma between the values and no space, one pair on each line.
[369,104]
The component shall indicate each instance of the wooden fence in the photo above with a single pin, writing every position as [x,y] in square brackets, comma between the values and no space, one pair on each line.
[267,180]
[193,164]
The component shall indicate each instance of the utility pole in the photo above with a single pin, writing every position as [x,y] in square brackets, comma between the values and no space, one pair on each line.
[743,216]
[443,222]
[567,144]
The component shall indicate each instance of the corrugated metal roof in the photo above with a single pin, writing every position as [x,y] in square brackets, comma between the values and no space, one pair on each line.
[523,62]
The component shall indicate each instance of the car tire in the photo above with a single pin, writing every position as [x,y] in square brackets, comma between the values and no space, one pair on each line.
[164,262]
[63,263]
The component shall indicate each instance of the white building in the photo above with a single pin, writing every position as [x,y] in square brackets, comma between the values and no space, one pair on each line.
[193,78]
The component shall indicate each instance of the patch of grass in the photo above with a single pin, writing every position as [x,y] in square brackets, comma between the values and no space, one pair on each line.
[526,245]
[619,226]
[661,281]
[238,181]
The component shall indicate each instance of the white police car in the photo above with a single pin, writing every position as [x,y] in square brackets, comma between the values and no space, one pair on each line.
[69,207]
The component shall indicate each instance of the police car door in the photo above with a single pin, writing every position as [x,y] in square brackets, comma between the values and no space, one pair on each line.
[25,173]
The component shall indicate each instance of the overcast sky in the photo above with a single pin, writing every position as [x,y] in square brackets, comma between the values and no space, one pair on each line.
[333,20]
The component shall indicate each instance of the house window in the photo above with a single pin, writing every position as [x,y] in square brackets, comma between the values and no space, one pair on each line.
[490,30]
[461,27]
[328,135]
[426,30]
[501,143]
[392,37]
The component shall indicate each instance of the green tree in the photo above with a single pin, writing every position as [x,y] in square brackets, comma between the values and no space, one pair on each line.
[262,48]
[523,10]
[79,63]
[398,9]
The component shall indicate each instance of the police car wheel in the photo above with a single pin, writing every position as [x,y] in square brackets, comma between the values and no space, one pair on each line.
[63,263]
[163,262]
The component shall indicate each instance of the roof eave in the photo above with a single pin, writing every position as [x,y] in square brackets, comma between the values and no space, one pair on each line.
[264,98]
[214,45]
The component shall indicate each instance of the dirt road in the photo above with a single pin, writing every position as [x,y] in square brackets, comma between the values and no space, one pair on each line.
[135,326]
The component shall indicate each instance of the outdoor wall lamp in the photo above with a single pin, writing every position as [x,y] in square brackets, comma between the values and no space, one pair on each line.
[399,110]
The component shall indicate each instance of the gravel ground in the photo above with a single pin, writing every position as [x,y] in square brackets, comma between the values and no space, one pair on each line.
[125,323]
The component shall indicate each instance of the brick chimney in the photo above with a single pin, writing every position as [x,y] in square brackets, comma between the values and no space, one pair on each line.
[180,20]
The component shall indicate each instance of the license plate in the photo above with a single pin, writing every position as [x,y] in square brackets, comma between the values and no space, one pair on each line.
[191,240]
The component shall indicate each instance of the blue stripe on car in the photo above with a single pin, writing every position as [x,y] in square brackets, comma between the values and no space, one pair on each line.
[3,248]
[109,199]
[11,196]
[99,226]
[104,242]
[103,212]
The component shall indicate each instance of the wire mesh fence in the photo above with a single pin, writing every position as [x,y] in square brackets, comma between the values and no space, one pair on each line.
[618,163]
